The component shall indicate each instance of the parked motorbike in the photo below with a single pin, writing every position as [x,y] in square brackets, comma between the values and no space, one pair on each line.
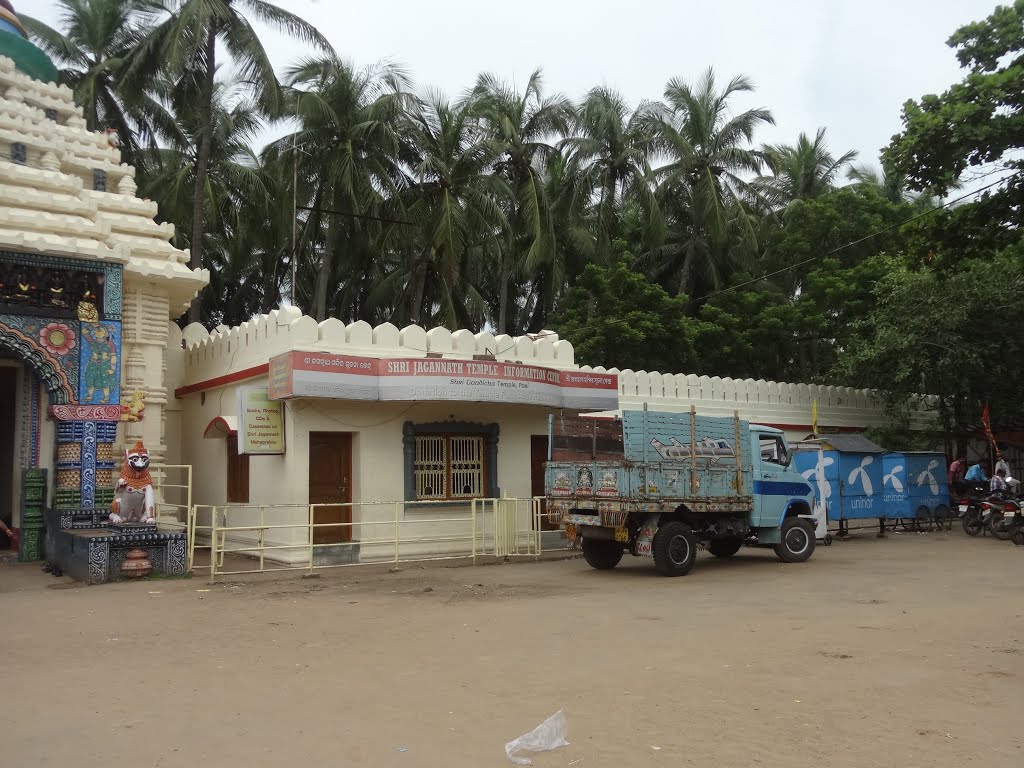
[1004,520]
[969,508]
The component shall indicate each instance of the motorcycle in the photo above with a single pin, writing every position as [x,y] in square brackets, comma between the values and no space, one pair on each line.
[969,508]
[1004,520]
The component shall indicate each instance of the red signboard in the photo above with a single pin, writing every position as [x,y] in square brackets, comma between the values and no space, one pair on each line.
[319,374]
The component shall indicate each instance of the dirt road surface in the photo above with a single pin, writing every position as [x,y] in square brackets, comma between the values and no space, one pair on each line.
[903,652]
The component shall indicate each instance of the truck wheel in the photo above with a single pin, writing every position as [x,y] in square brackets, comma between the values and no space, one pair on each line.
[600,554]
[675,549]
[797,541]
[725,547]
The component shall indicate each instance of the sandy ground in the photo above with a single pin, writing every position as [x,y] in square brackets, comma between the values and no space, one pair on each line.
[904,652]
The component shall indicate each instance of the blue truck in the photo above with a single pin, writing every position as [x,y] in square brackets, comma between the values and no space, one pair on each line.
[658,485]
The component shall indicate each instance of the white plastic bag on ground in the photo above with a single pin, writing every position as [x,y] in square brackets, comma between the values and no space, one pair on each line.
[547,736]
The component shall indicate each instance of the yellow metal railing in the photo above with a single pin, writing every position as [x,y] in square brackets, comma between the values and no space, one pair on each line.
[172,488]
[265,538]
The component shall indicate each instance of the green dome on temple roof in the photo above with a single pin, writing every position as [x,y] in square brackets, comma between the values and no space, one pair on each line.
[14,44]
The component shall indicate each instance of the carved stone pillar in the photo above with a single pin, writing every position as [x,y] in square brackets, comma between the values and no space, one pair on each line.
[145,337]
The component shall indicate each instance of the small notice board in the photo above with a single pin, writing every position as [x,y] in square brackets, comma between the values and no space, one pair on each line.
[260,422]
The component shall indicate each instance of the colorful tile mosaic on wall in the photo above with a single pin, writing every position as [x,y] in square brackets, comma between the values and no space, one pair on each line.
[100,381]
[63,318]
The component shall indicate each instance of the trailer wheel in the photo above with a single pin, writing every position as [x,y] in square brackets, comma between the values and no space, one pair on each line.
[675,549]
[725,547]
[600,554]
[922,520]
[797,541]
[944,518]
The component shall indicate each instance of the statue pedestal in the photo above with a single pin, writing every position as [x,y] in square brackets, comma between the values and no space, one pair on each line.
[95,555]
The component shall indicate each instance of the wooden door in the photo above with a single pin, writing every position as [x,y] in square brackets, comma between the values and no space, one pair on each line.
[330,482]
[539,455]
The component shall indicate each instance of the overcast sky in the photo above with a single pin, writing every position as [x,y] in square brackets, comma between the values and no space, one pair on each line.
[843,64]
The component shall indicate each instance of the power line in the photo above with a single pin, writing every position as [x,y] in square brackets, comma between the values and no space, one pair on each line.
[356,215]
[852,243]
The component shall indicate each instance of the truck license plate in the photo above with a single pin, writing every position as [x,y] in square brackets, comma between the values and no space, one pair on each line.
[622,535]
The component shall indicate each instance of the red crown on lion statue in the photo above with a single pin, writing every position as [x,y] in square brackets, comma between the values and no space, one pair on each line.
[135,468]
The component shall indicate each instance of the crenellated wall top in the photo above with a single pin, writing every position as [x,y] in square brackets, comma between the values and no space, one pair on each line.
[227,350]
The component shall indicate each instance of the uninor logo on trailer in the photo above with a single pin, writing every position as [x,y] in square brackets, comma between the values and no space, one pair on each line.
[860,475]
[818,473]
[892,479]
[927,476]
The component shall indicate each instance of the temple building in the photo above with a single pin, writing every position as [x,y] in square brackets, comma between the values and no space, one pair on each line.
[88,283]
[381,426]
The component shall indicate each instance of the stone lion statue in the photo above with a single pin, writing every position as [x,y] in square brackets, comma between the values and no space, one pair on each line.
[133,495]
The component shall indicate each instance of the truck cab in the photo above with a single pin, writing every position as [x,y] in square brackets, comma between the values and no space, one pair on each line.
[778,488]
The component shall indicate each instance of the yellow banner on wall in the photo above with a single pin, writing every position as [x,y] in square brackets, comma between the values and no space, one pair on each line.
[260,422]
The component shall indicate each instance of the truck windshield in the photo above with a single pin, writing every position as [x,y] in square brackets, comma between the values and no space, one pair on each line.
[773,450]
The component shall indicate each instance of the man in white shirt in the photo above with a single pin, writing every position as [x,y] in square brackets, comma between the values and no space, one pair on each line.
[1001,465]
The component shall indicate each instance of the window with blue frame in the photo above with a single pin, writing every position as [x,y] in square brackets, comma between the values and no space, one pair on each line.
[450,461]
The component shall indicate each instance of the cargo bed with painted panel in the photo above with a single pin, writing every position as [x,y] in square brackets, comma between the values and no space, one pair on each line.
[657,484]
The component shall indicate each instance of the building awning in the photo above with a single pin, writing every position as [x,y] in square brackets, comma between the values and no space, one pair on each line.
[221,426]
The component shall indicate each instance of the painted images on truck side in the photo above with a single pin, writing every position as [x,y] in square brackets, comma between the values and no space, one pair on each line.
[609,484]
[584,482]
[708,447]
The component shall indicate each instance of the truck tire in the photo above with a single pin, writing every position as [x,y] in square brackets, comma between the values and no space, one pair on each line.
[796,543]
[725,547]
[600,554]
[675,549]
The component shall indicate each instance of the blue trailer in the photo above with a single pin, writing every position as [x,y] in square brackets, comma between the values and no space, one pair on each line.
[916,490]
[846,473]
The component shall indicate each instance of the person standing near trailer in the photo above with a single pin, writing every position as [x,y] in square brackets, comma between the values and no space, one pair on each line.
[976,474]
[956,473]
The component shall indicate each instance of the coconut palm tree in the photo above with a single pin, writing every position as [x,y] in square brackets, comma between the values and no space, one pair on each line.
[702,183]
[185,42]
[345,155]
[893,186]
[98,39]
[458,208]
[522,127]
[573,221]
[238,191]
[610,151]
[801,171]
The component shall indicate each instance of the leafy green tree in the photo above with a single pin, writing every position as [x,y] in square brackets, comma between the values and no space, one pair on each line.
[958,337]
[971,133]
[615,317]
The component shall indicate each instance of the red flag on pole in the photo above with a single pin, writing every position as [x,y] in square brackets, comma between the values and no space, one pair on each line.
[986,423]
